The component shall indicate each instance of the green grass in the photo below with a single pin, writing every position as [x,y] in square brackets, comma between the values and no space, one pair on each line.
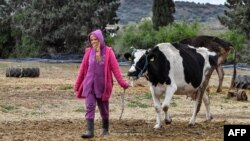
[138,101]
[37,113]
[81,110]
[173,104]
[3,66]
[135,103]
[196,132]
[145,96]
[225,99]
[176,97]
[17,88]
[8,107]
[66,87]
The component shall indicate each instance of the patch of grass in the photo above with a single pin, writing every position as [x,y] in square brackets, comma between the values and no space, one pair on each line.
[225,99]
[176,97]
[221,106]
[66,87]
[245,101]
[53,106]
[81,110]
[8,107]
[196,132]
[17,88]
[173,104]
[111,110]
[3,65]
[137,102]
[38,113]
[147,96]
[133,103]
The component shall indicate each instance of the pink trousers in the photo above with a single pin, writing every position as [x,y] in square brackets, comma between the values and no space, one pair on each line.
[90,106]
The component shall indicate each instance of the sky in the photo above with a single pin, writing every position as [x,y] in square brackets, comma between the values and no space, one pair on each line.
[206,1]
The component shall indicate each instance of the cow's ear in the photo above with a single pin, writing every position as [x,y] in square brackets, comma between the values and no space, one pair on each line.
[151,58]
[127,56]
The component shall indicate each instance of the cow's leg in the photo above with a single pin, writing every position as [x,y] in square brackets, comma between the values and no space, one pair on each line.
[165,105]
[207,105]
[157,105]
[220,73]
[197,105]
[199,97]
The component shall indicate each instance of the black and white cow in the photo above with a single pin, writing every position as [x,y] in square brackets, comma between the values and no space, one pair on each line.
[175,69]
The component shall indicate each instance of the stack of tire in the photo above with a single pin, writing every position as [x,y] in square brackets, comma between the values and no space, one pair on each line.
[22,72]
[239,95]
[242,82]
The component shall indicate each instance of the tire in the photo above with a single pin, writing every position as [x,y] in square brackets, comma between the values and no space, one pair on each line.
[13,72]
[22,72]
[242,82]
[241,96]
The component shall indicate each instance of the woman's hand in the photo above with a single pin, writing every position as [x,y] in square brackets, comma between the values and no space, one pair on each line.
[131,84]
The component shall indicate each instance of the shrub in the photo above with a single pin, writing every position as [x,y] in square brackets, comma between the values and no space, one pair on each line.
[237,39]
[142,35]
[26,48]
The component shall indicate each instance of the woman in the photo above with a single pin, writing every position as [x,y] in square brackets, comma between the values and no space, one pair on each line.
[94,82]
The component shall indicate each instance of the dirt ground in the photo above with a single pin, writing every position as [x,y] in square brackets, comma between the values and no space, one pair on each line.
[45,108]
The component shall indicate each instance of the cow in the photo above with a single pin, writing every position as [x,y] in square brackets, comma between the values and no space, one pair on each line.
[175,68]
[221,47]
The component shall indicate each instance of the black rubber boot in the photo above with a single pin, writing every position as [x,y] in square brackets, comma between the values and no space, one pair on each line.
[90,129]
[105,127]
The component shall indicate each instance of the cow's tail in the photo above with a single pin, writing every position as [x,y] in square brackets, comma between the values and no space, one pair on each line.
[234,64]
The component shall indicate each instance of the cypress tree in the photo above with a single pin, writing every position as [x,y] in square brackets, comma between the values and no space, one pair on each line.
[163,11]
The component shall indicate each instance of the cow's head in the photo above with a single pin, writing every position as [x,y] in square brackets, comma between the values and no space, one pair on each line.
[140,59]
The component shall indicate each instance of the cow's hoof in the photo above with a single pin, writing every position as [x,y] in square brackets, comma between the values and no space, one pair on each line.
[168,121]
[157,126]
[191,124]
[219,90]
[209,118]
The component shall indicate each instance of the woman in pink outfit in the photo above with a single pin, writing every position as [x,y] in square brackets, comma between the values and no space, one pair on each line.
[94,81]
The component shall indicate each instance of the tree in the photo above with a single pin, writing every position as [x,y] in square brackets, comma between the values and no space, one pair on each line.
[62,26]
[237,16]
[163,11]
[105,13]
[6,39]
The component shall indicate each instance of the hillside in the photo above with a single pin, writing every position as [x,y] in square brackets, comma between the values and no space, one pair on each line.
[134,10]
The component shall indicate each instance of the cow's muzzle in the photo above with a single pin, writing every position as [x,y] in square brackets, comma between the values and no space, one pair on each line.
[133,75]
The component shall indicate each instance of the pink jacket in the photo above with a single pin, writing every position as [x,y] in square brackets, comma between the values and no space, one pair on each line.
[110,65]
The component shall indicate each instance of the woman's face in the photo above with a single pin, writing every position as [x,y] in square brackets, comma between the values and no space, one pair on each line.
[95,42]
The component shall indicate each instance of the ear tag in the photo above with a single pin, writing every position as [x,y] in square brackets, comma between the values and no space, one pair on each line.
[152,59]
[129,58]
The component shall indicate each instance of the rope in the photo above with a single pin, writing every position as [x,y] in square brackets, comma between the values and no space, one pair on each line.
[122,104]
[144,67]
